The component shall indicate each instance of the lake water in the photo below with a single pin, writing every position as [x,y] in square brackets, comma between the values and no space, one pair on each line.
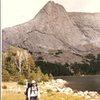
[83,83]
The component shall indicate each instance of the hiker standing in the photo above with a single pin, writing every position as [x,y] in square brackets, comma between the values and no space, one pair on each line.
[33,92]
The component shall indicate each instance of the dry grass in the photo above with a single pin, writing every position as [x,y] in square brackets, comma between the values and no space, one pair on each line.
[12,96]
[59,96]
[12,84]
[44,96]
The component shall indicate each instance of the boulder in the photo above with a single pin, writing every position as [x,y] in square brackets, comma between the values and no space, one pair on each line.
[68,90]
[93,94]
[61,83]
[81,93]
[19,90]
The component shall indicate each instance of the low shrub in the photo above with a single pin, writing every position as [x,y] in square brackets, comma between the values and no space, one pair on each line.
[49,90]
[4,87]
[21,80]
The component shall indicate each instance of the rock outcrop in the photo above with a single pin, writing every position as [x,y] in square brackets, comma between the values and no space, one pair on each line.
[56,35]
[56,86]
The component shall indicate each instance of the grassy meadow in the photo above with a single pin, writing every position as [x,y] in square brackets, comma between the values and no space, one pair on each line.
[6,95]
[45,96]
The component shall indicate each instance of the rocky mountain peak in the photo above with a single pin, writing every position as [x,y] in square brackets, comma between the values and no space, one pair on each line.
[51,10]
[52,7]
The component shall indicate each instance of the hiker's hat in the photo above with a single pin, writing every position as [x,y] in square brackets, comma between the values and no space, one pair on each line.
[33,81]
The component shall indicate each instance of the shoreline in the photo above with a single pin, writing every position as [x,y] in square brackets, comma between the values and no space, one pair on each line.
[55,87]
[61,86]
[82,83]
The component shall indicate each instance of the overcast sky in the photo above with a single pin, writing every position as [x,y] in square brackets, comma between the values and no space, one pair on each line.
[19,11]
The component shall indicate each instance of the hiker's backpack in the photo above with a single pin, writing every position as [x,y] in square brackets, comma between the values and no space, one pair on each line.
[28,86]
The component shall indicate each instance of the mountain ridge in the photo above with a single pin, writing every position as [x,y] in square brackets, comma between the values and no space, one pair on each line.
[53,30]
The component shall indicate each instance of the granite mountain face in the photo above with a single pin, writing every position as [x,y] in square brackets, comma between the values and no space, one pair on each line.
[56,35]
